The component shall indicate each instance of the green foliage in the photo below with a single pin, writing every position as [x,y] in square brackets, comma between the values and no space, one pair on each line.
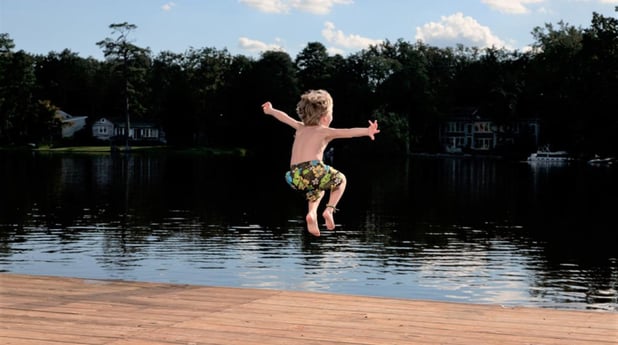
[315,67]
[394,133]
[17,85]
[131,63]
[209,97]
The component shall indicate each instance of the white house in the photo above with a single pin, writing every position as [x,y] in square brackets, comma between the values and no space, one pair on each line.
[139,131]
[466,130]
[103,129]
[70,124]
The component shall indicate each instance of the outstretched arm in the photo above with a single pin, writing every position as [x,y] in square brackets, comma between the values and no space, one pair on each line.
[280,115]
[371,131]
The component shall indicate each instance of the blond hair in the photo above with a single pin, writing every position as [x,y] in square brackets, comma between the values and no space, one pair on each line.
[313,105]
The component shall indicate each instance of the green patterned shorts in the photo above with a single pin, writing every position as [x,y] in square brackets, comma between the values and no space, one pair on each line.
[313,178]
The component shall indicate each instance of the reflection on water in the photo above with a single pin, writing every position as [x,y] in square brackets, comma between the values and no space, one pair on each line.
[481,231]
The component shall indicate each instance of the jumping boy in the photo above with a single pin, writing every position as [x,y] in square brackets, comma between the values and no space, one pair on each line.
[308,173]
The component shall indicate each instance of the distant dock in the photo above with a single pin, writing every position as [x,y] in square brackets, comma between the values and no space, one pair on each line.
[42,310]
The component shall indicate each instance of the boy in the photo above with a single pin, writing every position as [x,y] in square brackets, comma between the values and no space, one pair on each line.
[307,171]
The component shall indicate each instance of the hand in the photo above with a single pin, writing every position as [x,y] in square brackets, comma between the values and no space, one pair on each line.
[267,107]
[373,129]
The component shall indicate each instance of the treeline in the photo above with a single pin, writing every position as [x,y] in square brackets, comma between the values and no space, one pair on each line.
[568,80]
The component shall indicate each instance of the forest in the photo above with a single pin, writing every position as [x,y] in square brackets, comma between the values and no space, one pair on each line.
[207,97]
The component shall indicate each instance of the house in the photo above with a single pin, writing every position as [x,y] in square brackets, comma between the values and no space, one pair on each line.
[103,129]
[139,131]
[467,130]
[69,124]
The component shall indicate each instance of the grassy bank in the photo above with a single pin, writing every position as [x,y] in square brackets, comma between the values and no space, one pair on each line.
[206,151]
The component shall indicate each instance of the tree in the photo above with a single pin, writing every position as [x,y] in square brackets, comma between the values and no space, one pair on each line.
[171,97]
[17,85]
[6,47]
[67,80]
[273,78]
[407,91]
[314,67]
[6,44]
[599,75]
[554,72]
[207,96]
[207,68]
[132,61]
[236,122]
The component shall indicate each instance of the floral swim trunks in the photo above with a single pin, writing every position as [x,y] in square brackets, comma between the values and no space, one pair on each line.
[313,177]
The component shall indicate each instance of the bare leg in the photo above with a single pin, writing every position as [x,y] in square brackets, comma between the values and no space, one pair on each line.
[333,200]
[312,216]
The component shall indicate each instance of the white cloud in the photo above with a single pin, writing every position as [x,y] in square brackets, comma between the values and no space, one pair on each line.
[256,46]
[457,29]
[609,1]
[168,6]
[339,39]
[318,6]
[334,51]
[268,6]
[511,6]
[284,6]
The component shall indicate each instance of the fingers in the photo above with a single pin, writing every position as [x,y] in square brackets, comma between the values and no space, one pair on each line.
[373,129]
[266,106]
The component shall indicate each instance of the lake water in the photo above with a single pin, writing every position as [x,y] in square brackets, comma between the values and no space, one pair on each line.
[463,230]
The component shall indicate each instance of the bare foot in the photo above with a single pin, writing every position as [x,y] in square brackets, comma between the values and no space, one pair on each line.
[328,217]
[312,224]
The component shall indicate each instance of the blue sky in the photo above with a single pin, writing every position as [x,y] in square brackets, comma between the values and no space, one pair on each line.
[248,27]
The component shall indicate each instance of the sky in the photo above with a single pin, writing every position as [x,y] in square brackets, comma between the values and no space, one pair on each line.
[250,27]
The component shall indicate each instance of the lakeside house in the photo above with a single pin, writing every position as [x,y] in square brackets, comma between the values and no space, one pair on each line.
[69,124]
[466,130]
[139,131]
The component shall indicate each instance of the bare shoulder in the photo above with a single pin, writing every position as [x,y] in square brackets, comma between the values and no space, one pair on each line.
[325,132]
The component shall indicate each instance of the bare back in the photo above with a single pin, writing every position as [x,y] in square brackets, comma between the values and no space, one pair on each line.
[309,143]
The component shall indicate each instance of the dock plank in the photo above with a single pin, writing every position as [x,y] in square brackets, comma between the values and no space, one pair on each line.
[43,310]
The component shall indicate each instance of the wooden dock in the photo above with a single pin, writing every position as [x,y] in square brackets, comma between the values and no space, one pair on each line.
[41,310]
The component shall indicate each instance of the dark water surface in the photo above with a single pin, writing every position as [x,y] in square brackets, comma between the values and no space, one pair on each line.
[466,230]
